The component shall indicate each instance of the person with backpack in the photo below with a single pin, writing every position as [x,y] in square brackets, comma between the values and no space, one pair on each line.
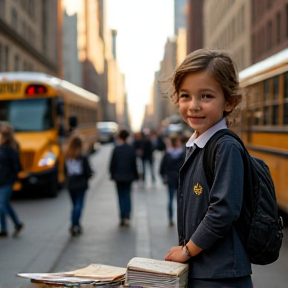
[170,165]
[77,171]
[206,91]
[10,166]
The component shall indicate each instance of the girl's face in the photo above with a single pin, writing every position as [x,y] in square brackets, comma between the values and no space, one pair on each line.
[201,101]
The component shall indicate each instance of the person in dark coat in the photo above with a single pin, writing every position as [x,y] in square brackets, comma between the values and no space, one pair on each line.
[9,168]
[170,165]
[123,170]
[147,156]
[78,172]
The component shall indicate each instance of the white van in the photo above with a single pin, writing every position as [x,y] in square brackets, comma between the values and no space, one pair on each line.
[107,131]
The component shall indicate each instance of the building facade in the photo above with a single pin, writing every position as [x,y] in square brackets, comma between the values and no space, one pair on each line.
[72,67]
[96,54]
[180,10]
[30,36]
[227,26]
[195,27]
[269,28]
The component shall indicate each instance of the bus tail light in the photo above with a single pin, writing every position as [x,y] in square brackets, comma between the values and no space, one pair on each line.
[33,90]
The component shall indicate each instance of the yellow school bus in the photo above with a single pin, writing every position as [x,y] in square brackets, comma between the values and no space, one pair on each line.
[44,111]
[264,125]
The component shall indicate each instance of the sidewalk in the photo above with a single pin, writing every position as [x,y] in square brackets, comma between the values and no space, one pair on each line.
[103,240]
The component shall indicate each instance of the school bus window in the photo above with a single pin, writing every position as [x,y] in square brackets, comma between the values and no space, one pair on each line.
[276,87]
[285,114]
[266,90]
[286,84]
[36,112]
[266,115]
[275,109]
[257,116]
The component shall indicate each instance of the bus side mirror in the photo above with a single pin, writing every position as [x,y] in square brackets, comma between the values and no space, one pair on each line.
[73,121]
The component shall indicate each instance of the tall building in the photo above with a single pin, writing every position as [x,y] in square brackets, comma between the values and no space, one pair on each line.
[269,28]
[228,27]
[180,7]
[30,36]
[72,67]
[96,53]
[195,27]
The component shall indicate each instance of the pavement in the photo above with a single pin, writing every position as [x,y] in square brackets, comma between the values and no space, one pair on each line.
[45,244]
[104,241]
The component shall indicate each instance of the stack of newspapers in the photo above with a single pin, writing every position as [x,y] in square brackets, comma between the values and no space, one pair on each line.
[97,275]
[145,272]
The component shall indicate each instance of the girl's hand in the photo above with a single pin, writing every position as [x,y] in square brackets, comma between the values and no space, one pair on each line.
[177,254]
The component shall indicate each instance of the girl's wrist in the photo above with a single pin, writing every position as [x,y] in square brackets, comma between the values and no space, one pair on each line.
[186,252]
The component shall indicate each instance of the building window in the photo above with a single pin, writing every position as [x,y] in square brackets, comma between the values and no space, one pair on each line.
[1,56]
[266,115]
[275,109]
[268,4]
[14,19]
[243,18]
[276,87]
[266,90]
[285,114]
[16,63]
[269,35]
[286,85]
[2,8]
[286,20]
[278,19]
[6,59]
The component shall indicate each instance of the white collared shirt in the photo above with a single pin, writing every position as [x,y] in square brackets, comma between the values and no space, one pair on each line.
[203,139]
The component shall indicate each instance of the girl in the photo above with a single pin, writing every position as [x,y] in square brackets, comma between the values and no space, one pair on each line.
[9,168]
[78,171]
[171,162]
[205,86]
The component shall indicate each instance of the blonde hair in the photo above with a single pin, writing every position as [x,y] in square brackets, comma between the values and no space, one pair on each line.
[218,64]
[74,148]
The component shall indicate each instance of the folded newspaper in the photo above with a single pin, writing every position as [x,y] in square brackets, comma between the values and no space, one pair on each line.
[96,274]
[145,272]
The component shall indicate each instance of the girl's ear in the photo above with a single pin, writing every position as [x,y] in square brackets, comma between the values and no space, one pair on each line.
[229,106]
[232,103]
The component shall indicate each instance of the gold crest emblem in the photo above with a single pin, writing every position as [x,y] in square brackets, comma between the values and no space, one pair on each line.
[198,189]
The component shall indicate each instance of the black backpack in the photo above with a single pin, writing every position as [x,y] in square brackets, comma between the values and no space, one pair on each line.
[259,225]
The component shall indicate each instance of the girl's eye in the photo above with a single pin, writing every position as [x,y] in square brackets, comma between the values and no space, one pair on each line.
[184,95]
[206,96]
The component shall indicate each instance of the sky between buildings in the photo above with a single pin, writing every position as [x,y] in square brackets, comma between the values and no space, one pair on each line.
[143,27]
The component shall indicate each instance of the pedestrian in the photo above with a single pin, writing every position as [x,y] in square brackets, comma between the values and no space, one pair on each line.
[170,165]
[137,143]
[9,168]
[147,156]
[123,170]
[77,171]
[206,90]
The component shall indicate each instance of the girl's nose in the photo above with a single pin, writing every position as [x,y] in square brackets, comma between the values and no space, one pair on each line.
[194,104]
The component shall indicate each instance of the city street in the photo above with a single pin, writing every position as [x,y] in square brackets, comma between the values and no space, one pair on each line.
[45,244]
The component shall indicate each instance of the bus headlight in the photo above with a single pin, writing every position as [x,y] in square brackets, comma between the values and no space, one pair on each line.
[48,159]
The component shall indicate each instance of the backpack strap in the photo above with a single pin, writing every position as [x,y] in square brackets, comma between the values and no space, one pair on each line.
[209,164]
